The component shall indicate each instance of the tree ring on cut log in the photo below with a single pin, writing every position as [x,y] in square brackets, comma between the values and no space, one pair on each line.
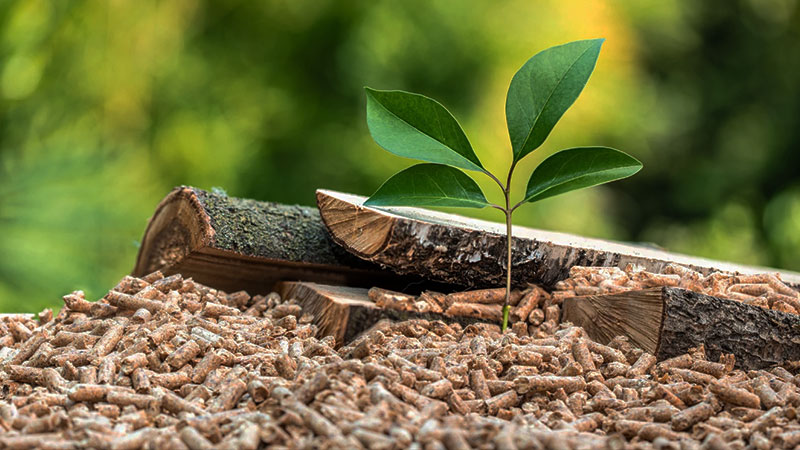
[362,229]
[178,226]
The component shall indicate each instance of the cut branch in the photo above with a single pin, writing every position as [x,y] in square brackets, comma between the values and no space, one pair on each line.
[231,243]
[471,253]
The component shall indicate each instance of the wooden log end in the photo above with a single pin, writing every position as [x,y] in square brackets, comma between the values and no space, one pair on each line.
[636,314]
[329,306]
[178,226]
[362,230]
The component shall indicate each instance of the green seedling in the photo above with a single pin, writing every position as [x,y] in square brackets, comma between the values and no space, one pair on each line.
[415,126]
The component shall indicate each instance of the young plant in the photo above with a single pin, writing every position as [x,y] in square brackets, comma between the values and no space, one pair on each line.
[415,126]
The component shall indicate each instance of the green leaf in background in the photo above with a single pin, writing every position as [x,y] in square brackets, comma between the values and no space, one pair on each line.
[544,88]
[418,127]
[429,185]
[578,168]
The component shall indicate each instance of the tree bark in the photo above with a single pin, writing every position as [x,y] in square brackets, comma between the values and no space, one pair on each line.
[669,321]
[346,312]
[471,253]
[231,244]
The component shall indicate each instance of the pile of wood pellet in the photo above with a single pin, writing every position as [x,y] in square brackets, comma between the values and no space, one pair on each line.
[17,327]
[765,290]
[533,310]
[167,363]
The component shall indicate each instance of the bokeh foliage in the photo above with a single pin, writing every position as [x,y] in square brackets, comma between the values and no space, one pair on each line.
[106,105]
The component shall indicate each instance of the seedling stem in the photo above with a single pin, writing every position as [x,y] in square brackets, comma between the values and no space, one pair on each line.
[508,210]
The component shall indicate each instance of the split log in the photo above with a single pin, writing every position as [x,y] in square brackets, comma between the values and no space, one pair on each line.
[345,312]
[233,244]
[471,253]
[668,321]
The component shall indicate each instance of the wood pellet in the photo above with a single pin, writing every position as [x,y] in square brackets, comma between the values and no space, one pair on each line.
[251,372]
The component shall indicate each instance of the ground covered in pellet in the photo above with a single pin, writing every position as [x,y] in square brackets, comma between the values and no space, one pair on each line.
[163,362]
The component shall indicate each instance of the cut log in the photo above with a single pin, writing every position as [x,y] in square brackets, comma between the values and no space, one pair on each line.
[669,321]
[232,244]
[345,312]
[471,253]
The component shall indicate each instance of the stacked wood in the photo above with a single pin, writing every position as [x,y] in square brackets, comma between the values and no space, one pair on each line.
[472,253]
[232,243]
[765,290]
[194,367]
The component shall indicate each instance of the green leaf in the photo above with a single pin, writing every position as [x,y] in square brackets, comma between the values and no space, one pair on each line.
[544,88]
[418,127]
[578,168]
[429,185]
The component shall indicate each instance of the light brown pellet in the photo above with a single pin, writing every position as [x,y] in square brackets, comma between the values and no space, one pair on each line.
[529,301]
[133,362]
[109,340]
[88,392]
[491,312]
[440,389]
[548,383]
[182,355]
[735,396]
[690,416]
[129,302]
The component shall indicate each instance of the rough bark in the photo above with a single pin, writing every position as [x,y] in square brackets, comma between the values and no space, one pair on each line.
[669,321]
[231,243]
[471,253]
[345,312]
[758,337]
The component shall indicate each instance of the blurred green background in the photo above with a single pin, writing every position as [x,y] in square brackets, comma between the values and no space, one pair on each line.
[106,105]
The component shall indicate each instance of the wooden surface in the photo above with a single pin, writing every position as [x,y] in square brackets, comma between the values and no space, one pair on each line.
[471,253]
[232,244]
[345,312]
[329,305]
[668,322]
[636,314]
